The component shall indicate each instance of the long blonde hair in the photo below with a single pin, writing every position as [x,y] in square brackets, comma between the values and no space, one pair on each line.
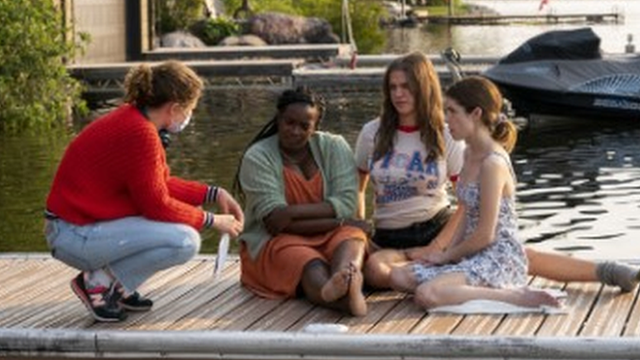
[425,87]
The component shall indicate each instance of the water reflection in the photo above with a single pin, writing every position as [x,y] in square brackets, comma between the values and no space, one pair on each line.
[579,181]
[579,186]
[27,163]
[499,40]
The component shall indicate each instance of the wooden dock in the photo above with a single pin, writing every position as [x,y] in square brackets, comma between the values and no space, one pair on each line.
[308,52]
[492,19]
[104,82]
[325,67]
[196,316]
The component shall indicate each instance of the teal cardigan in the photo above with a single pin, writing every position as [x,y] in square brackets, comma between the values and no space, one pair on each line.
[263,185]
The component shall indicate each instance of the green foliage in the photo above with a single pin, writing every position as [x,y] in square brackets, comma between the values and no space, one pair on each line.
[365,16]
[175,15]
[35,88]
[212,31]
[445,3]
[260,6]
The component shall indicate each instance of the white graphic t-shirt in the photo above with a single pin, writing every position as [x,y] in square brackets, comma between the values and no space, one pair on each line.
[406,188]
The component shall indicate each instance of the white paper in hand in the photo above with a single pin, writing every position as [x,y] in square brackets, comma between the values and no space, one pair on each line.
[221,258]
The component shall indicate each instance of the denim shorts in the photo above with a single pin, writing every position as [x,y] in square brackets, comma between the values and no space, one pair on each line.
[416,234]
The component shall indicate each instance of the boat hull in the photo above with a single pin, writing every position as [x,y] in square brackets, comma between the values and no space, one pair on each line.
[528,101]
[592,88]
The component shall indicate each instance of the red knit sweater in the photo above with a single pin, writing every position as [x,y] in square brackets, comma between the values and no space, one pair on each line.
[116,167]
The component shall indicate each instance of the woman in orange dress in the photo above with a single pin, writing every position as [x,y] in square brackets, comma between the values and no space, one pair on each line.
[300,192]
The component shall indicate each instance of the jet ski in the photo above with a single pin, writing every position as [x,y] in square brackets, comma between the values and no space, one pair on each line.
[565,73]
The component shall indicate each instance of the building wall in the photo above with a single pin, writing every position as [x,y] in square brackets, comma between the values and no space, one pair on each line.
[106,23]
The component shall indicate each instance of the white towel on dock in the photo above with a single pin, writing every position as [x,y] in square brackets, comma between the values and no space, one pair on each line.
[500,307]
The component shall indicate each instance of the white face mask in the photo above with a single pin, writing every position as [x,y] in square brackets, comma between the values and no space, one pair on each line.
[177,127]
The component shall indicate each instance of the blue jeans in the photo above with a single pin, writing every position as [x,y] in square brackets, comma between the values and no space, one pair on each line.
[132,248]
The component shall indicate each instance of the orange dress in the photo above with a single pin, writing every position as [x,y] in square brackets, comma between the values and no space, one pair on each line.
[277,271]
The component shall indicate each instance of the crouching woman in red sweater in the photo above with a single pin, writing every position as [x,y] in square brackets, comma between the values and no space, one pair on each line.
[114,211]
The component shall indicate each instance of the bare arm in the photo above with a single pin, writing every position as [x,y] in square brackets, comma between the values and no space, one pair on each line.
[308,219]
[301,219]
[493,178]
[452,230]
[363,180]
[447,236]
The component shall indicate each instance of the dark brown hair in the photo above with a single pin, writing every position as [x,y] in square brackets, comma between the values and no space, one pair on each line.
[425,87]
[479,92]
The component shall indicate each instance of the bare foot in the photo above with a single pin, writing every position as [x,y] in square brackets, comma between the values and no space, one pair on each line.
[357,303]
[337,286]
[535,298]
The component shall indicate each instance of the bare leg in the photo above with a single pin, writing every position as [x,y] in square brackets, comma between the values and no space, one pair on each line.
[377,269]
[403,279]
[560,267]
[357,302]
[339,286]
[452,289]
[350,255]
[565,268]
[347,257]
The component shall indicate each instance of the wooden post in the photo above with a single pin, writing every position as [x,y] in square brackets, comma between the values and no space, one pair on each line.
[133,25]
[145,25]
[66,9]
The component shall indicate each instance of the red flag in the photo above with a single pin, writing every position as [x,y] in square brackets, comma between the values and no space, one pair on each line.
[542,4]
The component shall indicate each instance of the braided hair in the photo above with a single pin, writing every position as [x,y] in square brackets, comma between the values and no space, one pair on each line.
[300,95]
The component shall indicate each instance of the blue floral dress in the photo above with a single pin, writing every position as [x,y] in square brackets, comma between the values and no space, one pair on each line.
[503,263]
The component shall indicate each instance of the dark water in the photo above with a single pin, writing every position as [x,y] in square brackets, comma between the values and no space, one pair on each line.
[579,186]
[208,150]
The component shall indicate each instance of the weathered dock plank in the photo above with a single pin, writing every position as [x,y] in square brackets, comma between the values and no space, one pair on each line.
[382,60]
[288,314]
[310,52]
[579,303]
[14,274]
[48,298]
[527,324]
[379,305]
[196,290]
[436,324]
[361,78]
[609,314]
[633,323]
[401,319]
[250,313]
[166,288]
[228,68]
[316,315]
[198,316]
[485,19]
[207,315]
